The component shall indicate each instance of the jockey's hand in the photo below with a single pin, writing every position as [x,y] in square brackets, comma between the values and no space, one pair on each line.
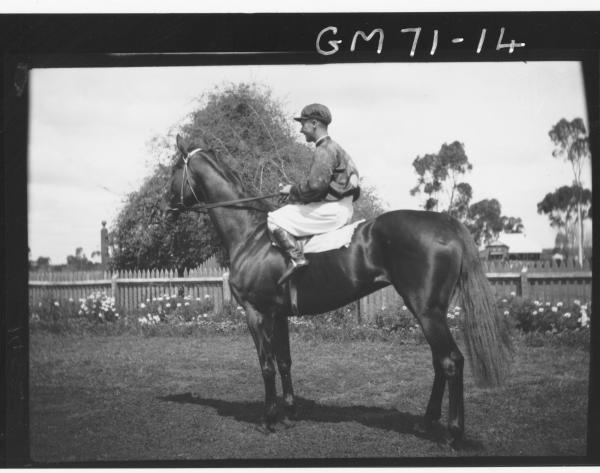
[285,190]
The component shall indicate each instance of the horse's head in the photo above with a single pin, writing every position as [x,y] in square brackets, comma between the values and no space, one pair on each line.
[184,190]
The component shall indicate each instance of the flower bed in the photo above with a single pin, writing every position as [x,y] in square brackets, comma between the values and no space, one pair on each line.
[173,314]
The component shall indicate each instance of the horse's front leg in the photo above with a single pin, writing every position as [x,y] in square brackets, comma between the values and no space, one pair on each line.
[261,327]
[281,343]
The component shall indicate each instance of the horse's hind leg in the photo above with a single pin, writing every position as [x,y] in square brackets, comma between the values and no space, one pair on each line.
[429,304]
[434,406]
[448,364]
[261,327]
[281,344]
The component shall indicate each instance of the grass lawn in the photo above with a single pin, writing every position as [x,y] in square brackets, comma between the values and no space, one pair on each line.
[174,398]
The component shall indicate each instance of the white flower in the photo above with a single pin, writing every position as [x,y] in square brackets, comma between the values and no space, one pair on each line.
[167,304]
[584,307]
[536,302]
[404,307]
[156,318]
[142,306]
[198,299]
[559,304]
[40,304]
[187,303]
[554,309]
[239,307]
[548,304]
[174,296]
[56,304]
[70,299]
[534,312]
[577,302]
[179,304]
[207,296]
[450,315]
[506,312]
[504,300]
[567,315]
[513,294]
[204,315]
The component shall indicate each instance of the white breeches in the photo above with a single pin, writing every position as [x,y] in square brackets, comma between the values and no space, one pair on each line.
[313,218]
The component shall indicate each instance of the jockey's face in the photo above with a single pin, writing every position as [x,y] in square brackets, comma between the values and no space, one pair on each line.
[309,130]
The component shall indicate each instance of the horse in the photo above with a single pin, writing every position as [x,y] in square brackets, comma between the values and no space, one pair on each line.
[426,256]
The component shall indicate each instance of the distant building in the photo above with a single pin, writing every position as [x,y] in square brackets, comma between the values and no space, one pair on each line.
[512,246]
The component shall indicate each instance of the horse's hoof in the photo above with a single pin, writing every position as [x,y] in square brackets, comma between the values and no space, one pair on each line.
[287,423]
[454,439]
[266,428]
[456,443]
[425,426]
[290,412]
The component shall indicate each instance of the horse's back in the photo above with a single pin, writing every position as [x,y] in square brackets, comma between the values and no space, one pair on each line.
[420,222]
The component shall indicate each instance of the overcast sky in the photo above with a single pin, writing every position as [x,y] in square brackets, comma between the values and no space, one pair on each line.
[90,128]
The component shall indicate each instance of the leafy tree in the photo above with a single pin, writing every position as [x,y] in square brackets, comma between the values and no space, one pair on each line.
[438,179]
[485,221]
[572,144]
[42,263]
[79,261]
[251,133]
[512,225]
[563,207]
[369,204]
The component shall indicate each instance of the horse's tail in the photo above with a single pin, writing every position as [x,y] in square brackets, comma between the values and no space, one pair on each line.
[487,334]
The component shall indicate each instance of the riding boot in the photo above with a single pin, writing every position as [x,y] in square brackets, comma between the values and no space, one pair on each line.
[293,249]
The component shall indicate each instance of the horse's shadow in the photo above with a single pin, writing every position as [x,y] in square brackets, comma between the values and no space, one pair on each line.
[307,410]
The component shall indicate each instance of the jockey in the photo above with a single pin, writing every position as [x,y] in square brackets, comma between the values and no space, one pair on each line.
[322,202]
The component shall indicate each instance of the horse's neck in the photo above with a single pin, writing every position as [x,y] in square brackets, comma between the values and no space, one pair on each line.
[233,224]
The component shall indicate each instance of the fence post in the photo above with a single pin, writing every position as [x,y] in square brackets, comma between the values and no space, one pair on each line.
[226,289]
[115,289]
[524,283]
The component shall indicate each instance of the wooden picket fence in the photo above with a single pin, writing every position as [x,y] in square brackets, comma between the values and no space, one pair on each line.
[131,288]
[545,281]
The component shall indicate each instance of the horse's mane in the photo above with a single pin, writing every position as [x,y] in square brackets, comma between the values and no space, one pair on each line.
[231,176]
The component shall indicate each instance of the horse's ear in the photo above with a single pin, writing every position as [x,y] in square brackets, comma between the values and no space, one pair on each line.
[180,144]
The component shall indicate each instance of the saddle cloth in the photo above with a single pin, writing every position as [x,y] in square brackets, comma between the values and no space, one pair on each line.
[330,240]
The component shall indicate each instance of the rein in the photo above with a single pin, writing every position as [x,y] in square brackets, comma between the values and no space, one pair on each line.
[228,203]
[199,207]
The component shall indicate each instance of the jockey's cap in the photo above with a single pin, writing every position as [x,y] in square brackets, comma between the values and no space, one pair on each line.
[315,111]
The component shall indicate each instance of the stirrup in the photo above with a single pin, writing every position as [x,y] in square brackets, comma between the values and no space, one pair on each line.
[291,270]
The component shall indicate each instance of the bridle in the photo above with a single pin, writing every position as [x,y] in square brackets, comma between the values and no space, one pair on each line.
[187,178]
[199,206]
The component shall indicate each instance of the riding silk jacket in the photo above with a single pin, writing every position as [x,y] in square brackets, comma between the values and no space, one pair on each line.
[329,175]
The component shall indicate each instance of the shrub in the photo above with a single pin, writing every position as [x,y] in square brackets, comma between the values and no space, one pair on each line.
[98,307]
